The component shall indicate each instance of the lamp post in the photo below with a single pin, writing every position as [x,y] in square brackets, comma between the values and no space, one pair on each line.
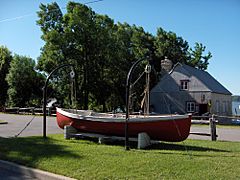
[128,83]
[45,95]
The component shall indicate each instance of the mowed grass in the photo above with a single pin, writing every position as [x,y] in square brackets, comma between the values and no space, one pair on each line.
[218,126]
[83,159]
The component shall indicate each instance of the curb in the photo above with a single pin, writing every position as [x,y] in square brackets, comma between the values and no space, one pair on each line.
[35,173]
[3,122]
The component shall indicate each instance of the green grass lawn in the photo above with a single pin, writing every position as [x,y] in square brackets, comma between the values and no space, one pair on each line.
[218,126]
[84,159]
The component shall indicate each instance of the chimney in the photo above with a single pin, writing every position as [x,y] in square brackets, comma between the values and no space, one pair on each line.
[166,65]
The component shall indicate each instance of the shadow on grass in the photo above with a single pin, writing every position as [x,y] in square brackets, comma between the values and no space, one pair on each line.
[183,147]
[167,146]
[31,150]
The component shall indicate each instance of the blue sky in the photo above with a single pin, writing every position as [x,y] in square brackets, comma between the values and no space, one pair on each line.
[215,23]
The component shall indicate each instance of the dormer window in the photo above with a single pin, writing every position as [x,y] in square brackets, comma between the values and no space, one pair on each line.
[184,84]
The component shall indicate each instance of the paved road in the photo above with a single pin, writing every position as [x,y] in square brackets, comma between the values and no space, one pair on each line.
[224,133]
[17,122]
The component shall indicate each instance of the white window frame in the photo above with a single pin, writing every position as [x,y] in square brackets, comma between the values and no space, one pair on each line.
[191,106]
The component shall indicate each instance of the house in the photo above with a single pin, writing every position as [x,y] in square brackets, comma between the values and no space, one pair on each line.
[184,89]
[236,105]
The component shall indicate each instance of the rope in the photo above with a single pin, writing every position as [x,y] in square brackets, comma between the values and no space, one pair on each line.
[175,124]
[24,127]
[137,79]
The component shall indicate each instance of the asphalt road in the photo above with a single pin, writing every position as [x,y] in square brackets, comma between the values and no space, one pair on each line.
[224,133]
[16,124]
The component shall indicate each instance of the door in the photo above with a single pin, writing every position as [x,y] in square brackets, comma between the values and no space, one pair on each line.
[203,108]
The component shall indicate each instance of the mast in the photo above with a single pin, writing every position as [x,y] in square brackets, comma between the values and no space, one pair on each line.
[147,91]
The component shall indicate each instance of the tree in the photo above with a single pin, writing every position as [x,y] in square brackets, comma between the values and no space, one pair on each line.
[177,49]
[69,39]
[50,22]
[5,59]
[170,45]
[24,82]
[102,53]
[197,59]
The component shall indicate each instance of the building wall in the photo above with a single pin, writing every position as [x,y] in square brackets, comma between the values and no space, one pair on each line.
[221,104]
[168,97]
[168,103]
[175,102]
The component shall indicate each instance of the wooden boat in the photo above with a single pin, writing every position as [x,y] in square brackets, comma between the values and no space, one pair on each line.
[173,128]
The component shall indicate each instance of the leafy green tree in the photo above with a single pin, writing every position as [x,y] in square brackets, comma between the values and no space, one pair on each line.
[177,49]
[5,59]
[24,82]
[197,59]
[70,40]
[102,53]
[170,45]
[50,22]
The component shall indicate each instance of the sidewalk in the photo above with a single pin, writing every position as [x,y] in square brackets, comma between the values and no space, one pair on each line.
[14,171]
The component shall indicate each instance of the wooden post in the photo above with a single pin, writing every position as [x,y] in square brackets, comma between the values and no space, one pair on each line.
[18,110]
[32,110]
[213,131]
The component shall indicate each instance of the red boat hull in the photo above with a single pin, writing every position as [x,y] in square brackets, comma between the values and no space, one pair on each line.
[163,130]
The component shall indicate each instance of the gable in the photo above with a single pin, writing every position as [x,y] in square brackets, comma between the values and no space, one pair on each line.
[209,82]
[180,73]
[199,81]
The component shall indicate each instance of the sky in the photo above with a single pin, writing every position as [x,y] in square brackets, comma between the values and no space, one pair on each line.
[214,23]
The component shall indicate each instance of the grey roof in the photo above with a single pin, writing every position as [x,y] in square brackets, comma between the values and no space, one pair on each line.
[210,82]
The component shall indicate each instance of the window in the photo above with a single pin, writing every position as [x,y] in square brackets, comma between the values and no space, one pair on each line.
[191,106]
[184,84]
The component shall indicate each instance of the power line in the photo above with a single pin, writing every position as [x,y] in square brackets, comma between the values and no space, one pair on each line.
[91,2]
[16,18]
[31,14]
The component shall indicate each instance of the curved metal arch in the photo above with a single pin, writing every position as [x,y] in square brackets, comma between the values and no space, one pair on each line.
[45,94]
[128,84]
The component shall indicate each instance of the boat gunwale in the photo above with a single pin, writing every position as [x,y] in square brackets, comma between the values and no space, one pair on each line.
[120,118]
